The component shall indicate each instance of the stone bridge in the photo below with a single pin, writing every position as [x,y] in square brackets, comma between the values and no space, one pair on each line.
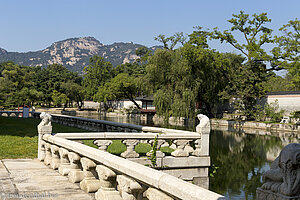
[102,175]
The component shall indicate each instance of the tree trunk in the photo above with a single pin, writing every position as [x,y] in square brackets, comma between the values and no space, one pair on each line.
[134,102]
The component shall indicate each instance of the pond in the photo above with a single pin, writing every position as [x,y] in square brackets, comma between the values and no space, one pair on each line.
[239,159]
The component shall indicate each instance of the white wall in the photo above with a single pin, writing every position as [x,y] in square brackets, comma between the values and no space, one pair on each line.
[128,104]
[91,105]
[289,103]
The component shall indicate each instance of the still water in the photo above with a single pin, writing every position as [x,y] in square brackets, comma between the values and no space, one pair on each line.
[239,158]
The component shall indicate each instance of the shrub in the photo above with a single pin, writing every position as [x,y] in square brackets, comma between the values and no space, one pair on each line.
[268,111]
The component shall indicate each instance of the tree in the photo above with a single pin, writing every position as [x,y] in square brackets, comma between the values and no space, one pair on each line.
[277,83]
[74,92]
[97,73]
[249,79]
[120,87]
[189,78]
[172,41]
[17,86]
[51,78]
[212,72]
[168,78]
[59,98]
[288,51]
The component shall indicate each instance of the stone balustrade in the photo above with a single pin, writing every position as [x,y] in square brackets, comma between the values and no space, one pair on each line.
[183,156]
[190,159]
[113,177]
[14,113]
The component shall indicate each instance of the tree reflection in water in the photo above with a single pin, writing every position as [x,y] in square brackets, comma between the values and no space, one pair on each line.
[242,159]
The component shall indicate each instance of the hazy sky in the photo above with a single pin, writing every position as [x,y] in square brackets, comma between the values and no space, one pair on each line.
[30,25]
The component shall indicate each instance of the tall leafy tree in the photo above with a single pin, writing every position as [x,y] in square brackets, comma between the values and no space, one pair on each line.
[122,86]
[249,79]
[51,78]
[97,73]
[288,51]
[189,78]
[17,85]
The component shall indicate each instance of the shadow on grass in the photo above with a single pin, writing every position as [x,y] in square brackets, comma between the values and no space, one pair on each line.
[16,126]
[19,136]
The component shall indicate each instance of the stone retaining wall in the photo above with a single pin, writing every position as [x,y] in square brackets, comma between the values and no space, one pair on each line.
[253,127]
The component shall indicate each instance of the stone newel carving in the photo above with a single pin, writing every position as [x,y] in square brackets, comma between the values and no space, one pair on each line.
[204,123]
[44,127]
[282,181]
[203,128]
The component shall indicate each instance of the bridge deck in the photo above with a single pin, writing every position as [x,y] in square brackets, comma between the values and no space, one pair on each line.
[30,179]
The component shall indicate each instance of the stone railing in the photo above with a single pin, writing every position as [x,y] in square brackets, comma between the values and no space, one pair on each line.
[190,159]
[110,176]
[185,138]
[113,177]
[186,162]
[15,113]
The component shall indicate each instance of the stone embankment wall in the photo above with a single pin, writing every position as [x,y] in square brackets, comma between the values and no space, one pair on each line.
[254,127]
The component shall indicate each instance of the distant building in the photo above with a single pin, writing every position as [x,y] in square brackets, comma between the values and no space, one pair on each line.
[147,104]
[91,105]
[287,100]
[123,104]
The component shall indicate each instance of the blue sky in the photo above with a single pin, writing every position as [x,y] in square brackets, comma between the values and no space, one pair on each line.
[30,25]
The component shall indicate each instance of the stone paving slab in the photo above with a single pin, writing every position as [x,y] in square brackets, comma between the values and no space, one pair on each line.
[27,179]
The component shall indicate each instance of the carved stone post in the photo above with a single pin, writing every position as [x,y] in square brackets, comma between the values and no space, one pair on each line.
[75,175]
[155,194]
[102,144]
[107,179]
[181,151]
[42,151]
[129,188]
[44,127]
[55,161]
[130,153]
[48,156]
[89,183]
[159,154]
[204,130]
[64,167]
[197,151]
[282,181]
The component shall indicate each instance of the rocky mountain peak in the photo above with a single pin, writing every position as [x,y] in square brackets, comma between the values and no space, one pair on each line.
[74,53]
[69,46]
[3,52]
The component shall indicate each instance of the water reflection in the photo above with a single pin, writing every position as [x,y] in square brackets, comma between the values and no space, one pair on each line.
[132,119]
[242,158]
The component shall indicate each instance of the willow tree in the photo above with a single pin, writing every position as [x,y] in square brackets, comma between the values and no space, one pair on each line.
[186,78]
[167,78]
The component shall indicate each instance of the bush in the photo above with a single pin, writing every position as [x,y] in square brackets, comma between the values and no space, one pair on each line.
[268,111]
[295,114]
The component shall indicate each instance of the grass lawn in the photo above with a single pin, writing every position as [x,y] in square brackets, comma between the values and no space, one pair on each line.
[18,136]
[18,139]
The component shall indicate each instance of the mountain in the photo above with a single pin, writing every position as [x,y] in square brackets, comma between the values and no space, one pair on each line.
[74,53]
